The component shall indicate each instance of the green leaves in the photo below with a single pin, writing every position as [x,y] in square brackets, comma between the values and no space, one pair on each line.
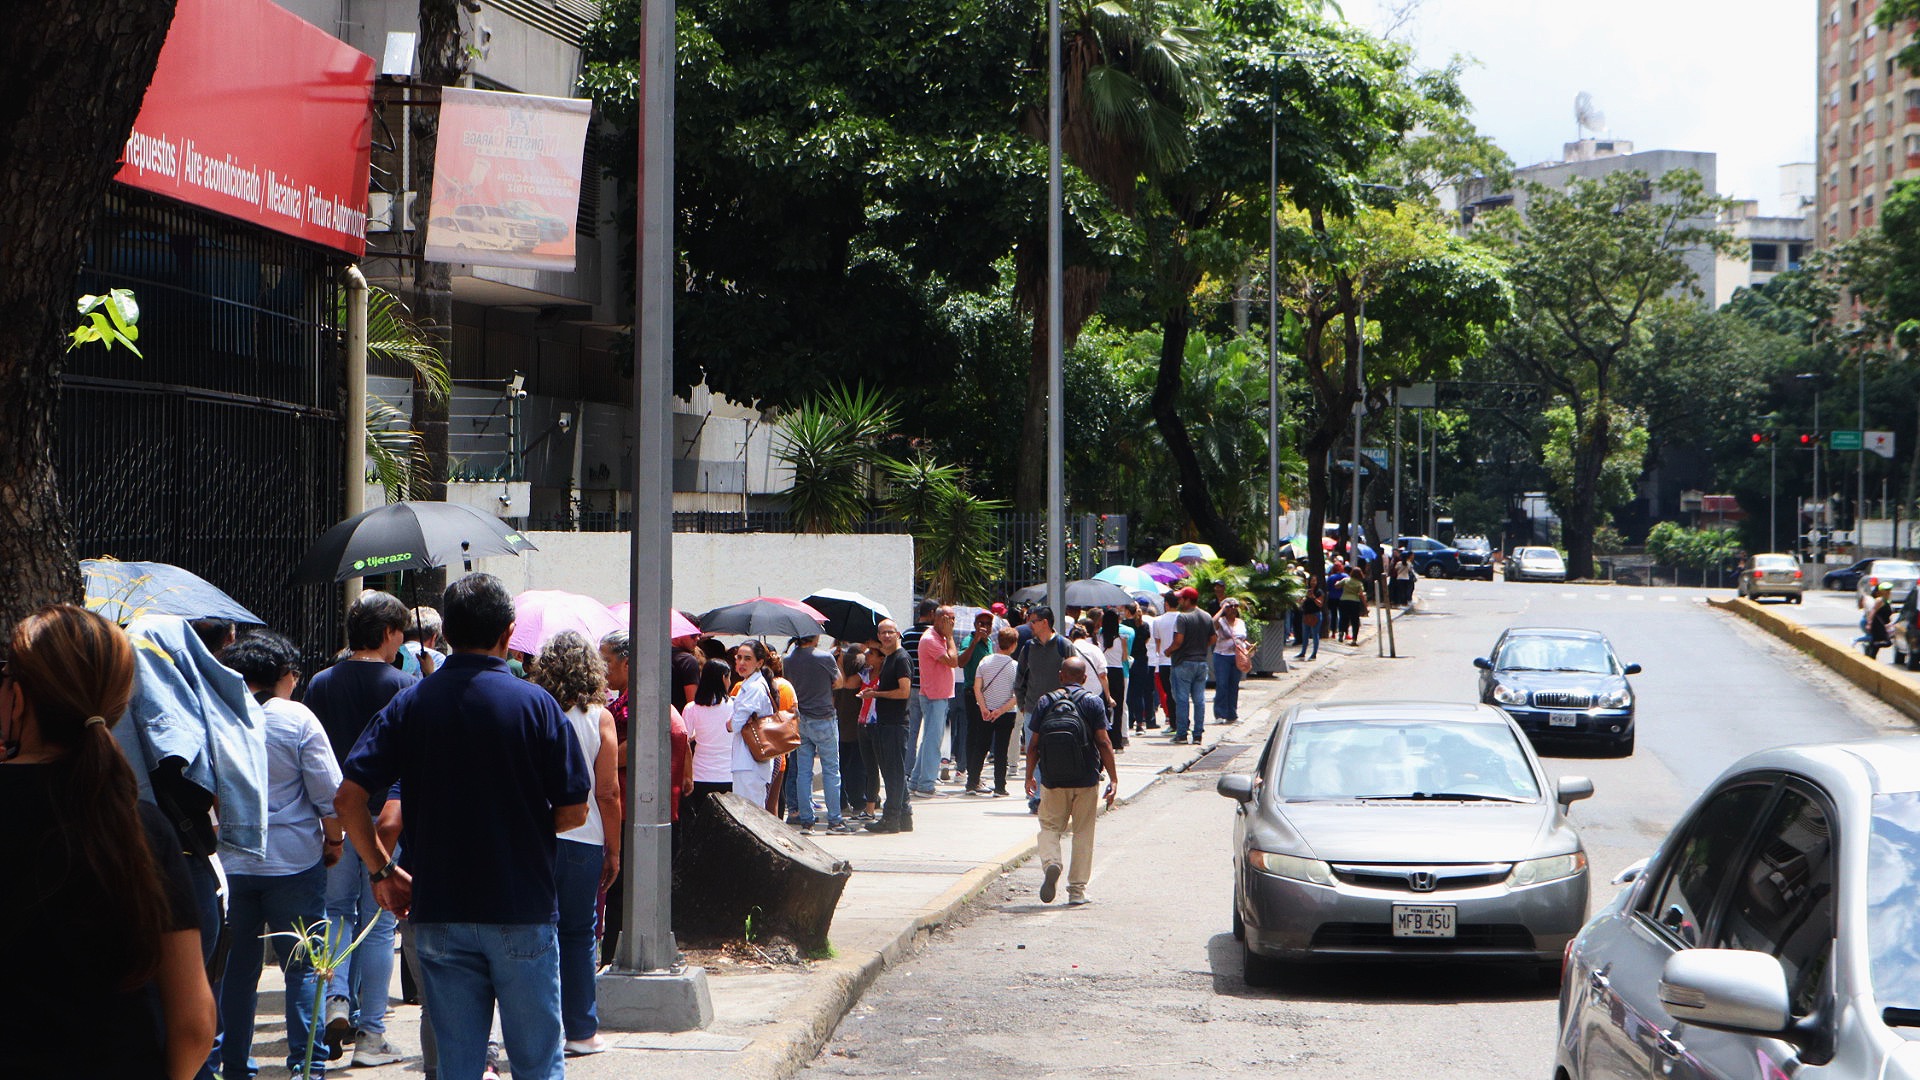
[111,320]
[832,444]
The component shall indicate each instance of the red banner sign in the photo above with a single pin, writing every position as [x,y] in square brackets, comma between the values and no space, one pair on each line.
[258,115]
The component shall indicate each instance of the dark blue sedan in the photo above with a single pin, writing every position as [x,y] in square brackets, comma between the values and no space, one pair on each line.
[1846,579]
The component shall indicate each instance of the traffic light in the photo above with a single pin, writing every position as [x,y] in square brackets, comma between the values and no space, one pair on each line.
[1807,442]
[1761,438]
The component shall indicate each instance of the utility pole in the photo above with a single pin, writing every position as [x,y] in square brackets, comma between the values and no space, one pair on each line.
[1056,392]
[1273,310]
[650,988]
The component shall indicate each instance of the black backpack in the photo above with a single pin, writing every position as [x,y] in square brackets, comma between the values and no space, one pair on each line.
[1065,745]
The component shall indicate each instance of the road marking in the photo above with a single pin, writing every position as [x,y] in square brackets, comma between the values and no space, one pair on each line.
[1635,597]
[1569,596]
[1603,596]
[1438,592]
[1669,599]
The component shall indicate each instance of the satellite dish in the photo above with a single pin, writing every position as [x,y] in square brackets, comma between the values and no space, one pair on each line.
[1588,115]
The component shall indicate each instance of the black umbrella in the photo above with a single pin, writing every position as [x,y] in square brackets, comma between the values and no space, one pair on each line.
[850,615]
[764,616]
[407,536]
[1085,593]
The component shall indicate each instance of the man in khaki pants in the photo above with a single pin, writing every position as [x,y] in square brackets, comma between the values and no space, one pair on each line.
[1067,749]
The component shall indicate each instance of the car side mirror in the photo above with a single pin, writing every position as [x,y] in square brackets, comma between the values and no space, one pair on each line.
[1236,786]
[1727,990]
[1633,669]
[1571,789]
[1483,663]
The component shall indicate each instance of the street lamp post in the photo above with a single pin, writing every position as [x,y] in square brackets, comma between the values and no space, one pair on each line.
[1359,418]
[1056,431]
[1273,311]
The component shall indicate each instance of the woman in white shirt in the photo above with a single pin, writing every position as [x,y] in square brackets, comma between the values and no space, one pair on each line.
[1096,658]
[1229,637]
[588,857]
[709,720]
[752,696]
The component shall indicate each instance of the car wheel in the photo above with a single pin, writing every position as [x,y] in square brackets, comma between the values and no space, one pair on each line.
[1623,745]
[1259,970]
[1796,598]
[1239,924]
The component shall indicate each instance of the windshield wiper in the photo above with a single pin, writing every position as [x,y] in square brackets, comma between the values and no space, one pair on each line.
[1437,796]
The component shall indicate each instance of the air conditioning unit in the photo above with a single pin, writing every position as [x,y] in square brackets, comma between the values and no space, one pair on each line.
[380,212]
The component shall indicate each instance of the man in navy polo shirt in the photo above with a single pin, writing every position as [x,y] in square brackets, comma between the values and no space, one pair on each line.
[489,772]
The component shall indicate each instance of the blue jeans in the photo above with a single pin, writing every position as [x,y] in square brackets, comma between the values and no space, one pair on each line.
[818,739]
[576,878]
[1226,687]
[469,969]
[1187,681]
[933,733]
[367,977]
[1143,700]
[257,905]
[1310,632]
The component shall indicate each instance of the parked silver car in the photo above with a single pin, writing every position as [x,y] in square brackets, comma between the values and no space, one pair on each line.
[1536,564]
[1775,933]
[1403,830]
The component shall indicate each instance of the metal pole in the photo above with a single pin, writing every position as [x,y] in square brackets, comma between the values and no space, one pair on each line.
[1819,504]
[1359,415]
[1397,530]
[1273,312]
[647,944]
[1056,391]
[1860,491]
[1773,493]
[356,285]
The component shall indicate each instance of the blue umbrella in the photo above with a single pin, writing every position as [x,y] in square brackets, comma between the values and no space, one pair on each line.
[124,591]
[1129,578]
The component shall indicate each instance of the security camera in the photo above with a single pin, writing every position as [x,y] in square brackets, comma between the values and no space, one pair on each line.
[566,422]
[505,499]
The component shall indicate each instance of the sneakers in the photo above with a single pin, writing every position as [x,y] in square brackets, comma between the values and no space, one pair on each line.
[339,1026]
[804,828]
[583,1047]
[372,1051]
[1077,897]
[1049,882]
[840,828]
[1000,793]
[884,825]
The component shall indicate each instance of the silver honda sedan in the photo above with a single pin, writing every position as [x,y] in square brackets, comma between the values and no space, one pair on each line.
[1775,933]
[1403,830]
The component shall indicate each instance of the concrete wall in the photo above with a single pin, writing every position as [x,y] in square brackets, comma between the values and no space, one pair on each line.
[710,569]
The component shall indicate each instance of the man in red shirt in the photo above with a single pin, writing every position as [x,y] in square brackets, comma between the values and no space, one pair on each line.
[939,656]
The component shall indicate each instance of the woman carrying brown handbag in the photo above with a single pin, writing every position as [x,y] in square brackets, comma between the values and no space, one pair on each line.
[754,698]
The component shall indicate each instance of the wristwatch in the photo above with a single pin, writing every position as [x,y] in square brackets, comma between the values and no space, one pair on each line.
[386,871]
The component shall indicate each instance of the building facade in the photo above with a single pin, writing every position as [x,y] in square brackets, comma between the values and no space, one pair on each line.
[1869,118]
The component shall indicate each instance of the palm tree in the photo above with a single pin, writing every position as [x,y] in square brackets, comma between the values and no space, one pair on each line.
[1135,77]
[396,453]
[831,443]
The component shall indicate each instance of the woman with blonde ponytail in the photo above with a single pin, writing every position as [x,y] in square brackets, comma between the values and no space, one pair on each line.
[101,974]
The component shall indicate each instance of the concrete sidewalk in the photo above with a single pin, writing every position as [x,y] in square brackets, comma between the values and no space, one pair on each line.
[769,1022]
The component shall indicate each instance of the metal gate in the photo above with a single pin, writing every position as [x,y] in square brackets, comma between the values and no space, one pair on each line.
[220,449]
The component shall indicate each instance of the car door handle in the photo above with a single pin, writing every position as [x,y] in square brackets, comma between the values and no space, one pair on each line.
[1667,1045]
[1598,980]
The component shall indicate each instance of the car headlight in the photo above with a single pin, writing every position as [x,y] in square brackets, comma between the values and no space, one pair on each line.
[1509,695]
[1617,698]
[1291,866]
[1552,868]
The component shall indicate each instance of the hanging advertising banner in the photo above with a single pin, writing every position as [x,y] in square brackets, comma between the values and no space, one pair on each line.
[506,182]
[257,115]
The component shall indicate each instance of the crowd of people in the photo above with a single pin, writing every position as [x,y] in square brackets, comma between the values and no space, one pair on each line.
[433,795]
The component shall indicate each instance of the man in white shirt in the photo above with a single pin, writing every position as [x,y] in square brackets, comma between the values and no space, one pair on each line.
[1160,642]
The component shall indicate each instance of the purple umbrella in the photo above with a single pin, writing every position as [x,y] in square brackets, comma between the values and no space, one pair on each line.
[1164,572]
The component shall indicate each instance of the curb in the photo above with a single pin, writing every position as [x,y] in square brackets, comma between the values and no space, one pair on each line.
[1888,684]
[819,1011]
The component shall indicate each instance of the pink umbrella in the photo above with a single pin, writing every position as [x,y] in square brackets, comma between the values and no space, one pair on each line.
[539,614]
[678,625]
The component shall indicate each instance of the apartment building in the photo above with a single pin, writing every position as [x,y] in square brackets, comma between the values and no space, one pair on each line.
[1869,118]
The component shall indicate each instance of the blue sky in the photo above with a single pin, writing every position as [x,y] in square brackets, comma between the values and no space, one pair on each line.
[1733,78]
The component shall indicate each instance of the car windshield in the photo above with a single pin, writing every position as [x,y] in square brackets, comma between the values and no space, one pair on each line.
[1893,903]
[1404,760]
[1894,568]
[1774,562]
[1539,553]
[1585,655]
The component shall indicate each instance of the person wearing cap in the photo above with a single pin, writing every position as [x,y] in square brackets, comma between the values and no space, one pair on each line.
[1229,638]
[1192,643]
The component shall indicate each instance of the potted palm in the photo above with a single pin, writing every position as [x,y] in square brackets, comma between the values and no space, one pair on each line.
[1275,589]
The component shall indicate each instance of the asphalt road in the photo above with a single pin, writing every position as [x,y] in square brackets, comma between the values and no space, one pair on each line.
[1146,980]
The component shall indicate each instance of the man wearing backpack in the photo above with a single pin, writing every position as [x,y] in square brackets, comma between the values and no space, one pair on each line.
[1065,756]
[1039,657]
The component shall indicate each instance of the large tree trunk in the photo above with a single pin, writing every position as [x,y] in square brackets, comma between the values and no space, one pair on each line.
[1195,498]
[441,62]
[1583,515]
[742,871]
[72,77]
